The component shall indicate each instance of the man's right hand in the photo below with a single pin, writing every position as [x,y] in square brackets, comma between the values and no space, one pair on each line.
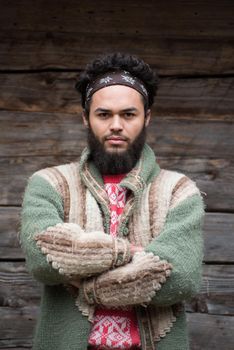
[133,284]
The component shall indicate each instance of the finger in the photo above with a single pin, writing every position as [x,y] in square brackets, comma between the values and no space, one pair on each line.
[53,239]
[58,246]
[162,266]
[168,273]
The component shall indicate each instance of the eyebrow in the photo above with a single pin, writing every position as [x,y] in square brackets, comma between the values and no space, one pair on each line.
[102,110]
[130,109]
[105,110]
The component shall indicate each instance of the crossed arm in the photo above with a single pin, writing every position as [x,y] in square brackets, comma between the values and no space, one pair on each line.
[108,270]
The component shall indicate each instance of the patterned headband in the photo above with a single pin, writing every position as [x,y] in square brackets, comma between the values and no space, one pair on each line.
[116,78]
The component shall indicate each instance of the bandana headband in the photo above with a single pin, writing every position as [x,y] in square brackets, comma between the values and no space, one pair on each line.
[116,78]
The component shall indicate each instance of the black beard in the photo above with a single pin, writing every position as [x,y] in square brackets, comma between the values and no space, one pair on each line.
[113,163]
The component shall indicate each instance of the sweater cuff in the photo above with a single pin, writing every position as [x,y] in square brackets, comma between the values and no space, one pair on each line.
[122,252]
[88,289]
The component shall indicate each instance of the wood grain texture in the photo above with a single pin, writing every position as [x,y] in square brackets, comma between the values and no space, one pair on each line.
[24,50]
[34,134]
[9,234]
[40,92]
[181,41]
[216,294]
[18,288]
[17,326]
[207,98]
[213,176]
[184,21]
[205,331]
[210,332]
[41,134]
[15,172]
[219,243]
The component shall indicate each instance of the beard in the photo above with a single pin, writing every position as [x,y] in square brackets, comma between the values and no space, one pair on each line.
[113,163]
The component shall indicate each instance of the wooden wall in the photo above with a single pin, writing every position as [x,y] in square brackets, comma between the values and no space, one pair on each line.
[43,47]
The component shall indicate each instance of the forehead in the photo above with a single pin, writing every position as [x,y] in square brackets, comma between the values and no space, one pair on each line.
[117,96]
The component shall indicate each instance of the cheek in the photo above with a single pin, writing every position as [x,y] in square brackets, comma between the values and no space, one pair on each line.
[135,129]
[98,129]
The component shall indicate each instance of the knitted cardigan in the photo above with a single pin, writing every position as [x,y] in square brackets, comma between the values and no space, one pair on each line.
[163,214]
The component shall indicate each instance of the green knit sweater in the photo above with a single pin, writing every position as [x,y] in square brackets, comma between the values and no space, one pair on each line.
[179,241]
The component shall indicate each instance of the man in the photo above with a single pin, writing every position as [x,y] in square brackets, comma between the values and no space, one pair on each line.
[115,240]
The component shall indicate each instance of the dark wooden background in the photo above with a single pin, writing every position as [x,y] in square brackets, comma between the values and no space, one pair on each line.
[43,47]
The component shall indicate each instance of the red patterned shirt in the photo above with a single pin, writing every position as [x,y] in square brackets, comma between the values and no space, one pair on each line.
[115,329]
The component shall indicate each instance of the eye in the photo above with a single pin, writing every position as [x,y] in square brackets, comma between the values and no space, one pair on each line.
[103,115]
[129,115]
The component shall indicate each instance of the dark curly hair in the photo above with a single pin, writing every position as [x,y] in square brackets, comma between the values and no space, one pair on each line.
[114,62]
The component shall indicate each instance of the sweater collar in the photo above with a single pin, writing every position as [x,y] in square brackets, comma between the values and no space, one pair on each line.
[136,180]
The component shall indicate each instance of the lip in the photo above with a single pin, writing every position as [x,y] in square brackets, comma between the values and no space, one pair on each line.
[116,140]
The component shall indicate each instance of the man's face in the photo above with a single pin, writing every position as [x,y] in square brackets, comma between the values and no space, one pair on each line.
[117,117]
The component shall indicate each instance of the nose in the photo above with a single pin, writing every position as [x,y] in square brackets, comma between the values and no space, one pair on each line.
[116,123]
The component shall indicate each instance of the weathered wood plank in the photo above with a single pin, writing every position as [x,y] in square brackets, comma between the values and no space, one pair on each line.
[14,173]
[210,99]
[18,289]
[17,325]
[40,92]
[171,56]
[183,21]
[218,235]
[30,134]
[213,176]
[41,134]
[219,243]
[210,332]
[200,98]
[34,38]
[216,295]
[184,137]
[9,234]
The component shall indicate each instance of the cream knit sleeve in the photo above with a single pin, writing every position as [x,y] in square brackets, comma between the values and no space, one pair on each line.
[76,253]
[135,283]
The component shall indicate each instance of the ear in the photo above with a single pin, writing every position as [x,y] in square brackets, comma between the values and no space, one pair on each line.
[85,119]
[147,117]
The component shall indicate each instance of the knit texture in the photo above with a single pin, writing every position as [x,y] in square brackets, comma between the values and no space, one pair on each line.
[76,253]
[133,284]
[177,206]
